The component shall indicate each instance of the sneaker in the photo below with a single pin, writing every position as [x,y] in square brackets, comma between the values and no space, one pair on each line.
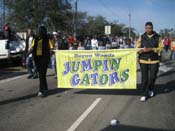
[40,94]
[35,77]
[143,99]
[151,93]
[30,76]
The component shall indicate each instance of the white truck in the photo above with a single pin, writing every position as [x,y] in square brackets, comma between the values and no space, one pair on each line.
[4,52]
[12,50]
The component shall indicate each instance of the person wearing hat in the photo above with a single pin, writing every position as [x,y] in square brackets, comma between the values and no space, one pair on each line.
[41,48]
[150,45]
[7,34]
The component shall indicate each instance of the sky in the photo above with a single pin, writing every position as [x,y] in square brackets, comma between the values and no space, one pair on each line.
[160,12]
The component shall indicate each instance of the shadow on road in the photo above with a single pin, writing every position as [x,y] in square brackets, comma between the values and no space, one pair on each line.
[166,88]
[11,74]
[130,128]
[17,99]
[171,72]
[159,89]
[50,92]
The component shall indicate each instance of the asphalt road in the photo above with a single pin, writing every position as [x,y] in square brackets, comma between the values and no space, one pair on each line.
[86,110]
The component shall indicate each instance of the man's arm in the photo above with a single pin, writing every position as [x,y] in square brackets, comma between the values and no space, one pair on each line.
[160,47]
[138,45]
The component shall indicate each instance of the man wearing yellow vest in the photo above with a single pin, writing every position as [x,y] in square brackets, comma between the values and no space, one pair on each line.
[151,46]
[41,48]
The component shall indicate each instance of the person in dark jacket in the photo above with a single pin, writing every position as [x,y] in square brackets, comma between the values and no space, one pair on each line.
[41,48]
[151,46]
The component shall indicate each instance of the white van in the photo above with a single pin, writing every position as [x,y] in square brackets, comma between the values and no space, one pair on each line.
[4,53]
[14,49]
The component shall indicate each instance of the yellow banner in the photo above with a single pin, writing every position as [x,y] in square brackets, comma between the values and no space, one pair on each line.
[94,69]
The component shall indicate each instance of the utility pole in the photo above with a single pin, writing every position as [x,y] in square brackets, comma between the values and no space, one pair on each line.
[129,25]
[3,19]
[75,18]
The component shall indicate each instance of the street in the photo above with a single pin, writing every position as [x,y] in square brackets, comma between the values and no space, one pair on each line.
[87,65]
[86,110]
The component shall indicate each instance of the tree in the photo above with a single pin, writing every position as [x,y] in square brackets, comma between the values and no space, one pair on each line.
[57,15]
[125,32]
[117,29]
[32,13]
[92,25]
[167,32]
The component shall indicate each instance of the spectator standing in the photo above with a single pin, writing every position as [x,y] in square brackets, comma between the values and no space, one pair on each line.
[80,46]
[87,43]
[55,47]
[172,49]
[94,43]
[129,44]
[30,64]
[166,43]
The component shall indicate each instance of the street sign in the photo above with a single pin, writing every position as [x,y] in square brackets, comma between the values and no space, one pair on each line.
[108,30]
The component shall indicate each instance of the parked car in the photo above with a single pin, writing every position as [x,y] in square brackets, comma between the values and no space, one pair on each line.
[13,49]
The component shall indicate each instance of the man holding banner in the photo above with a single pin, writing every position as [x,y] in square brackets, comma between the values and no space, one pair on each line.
[112,69]
[151,45]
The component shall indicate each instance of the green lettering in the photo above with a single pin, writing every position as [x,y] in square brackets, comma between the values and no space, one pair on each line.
[75,66]
[97,64]
[125,75]
[115,63]
[85,80]
[103,79]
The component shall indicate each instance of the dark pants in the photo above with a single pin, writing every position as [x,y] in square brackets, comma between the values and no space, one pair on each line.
[53,61]
[88,47]
[149,75]
[42,65]
[30,64]
[166,48]
[172,55]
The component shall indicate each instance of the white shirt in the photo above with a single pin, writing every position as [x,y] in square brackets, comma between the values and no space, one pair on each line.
[94,43]
[30,41]
[127,46]
[108,46]
[114,44]
[101,47]
[81,48]
[70,48]
[30,44]
[122,46]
